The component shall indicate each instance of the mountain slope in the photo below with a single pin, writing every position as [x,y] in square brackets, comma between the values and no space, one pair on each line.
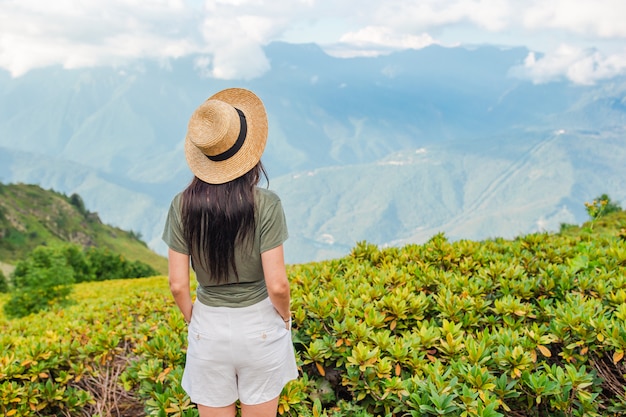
[115,137]
[531,184]
[31,216]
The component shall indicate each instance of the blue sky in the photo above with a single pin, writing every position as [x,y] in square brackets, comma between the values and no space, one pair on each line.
[580,40]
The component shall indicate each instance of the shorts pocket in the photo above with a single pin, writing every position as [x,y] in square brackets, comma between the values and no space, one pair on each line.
[268,329]
[203,345]
[195,333]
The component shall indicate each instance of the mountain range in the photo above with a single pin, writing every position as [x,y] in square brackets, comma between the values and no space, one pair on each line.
[392,149]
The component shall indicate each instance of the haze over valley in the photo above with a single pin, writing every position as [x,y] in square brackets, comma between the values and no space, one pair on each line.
[389,149]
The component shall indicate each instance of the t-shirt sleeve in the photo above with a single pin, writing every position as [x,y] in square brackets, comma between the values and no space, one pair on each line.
[173,230]
[273,225]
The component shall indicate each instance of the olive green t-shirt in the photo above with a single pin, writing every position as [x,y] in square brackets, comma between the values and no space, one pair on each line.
[270,232]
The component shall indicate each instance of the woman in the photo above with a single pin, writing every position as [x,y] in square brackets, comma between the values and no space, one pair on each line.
[232,233]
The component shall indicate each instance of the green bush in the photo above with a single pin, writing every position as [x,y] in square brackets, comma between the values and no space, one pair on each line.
[92,264]
[67,363]
[107,265]
[44,279]
[76,259]
[4,285]
[602,206]
[529,327]
[40,282]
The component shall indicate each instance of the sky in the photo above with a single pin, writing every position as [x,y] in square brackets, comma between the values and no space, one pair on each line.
[582,41]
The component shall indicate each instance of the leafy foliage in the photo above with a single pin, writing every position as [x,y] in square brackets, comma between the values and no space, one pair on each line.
[45,277]
[69,362]
[534,326]
[601,206]
[105,265]
[4,285]
[39,282]
[494,328]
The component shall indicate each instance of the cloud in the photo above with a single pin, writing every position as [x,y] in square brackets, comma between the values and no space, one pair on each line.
[239,56]
[601,18]
[569,35]
[377,40]
[575,39]
[99,32]
[581,66]
[491,15]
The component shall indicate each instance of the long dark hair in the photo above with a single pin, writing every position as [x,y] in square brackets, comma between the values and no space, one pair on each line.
[216,217]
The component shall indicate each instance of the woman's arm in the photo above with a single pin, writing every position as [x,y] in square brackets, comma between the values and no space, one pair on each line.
[276,281]
[178,265]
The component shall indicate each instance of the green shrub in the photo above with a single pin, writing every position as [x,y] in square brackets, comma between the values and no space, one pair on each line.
[67,363]
[107,265]
[564,227]
[40,282]
[601,206]
[76,259]
[44,279]
[4,284]
[535,326]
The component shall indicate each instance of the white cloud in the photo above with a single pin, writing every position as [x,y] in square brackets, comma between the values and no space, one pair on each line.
[234,32]
[377,40]
[581,66]
[244,60]
[233,56]
[229,35]
[491,15]
[602,18]
[77,34]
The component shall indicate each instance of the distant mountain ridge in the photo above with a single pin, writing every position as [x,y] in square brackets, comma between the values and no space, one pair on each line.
[417,142]
[31,216]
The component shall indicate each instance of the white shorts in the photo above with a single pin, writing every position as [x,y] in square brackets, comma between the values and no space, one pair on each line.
[237,353]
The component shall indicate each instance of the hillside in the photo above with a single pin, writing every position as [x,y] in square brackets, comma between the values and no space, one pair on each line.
[31,216]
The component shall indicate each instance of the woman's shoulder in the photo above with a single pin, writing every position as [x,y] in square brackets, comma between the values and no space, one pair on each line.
[266,195]
[266,198]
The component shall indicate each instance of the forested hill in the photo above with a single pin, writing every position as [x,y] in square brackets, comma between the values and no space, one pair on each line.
[31,216]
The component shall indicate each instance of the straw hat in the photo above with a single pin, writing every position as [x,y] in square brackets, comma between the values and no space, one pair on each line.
[226,136]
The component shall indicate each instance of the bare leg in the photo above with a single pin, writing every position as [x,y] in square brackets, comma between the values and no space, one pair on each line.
[228,411]
[267,409]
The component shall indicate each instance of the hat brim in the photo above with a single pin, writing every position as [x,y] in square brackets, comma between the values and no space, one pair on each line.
[220,172]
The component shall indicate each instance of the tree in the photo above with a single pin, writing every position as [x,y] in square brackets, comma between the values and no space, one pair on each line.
[78,202]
